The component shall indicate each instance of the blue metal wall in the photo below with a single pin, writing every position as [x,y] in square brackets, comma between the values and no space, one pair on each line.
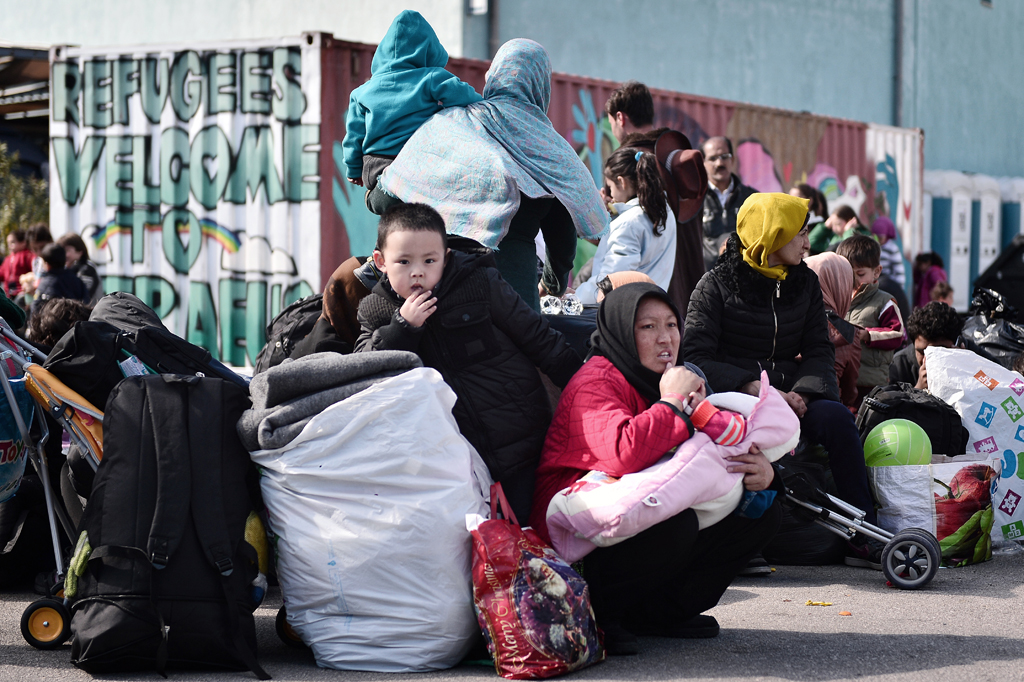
[960,64]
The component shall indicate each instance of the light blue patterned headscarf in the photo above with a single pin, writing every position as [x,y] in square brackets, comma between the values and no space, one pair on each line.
[471,163]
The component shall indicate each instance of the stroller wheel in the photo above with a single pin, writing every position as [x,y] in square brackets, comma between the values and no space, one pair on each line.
[925,535]
[286,632]
[46,624]
[909,560]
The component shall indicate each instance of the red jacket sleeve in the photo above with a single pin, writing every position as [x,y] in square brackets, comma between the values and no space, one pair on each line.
[615,440]
[888,335]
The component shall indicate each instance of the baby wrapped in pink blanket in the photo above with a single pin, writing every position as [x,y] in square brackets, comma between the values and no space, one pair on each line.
[599,510]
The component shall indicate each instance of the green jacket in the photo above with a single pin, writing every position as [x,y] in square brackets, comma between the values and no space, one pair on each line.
[820,236]
[856,229]
[11,312]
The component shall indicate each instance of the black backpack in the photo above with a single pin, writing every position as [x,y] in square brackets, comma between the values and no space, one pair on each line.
[939,420]
[95,356]
[168,580]
[290,326]
[125,311]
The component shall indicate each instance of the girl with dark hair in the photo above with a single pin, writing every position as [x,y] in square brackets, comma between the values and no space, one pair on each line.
[643,236]
[78,263]
[819,233]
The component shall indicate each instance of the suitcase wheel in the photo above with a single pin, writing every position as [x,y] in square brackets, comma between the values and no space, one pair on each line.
[286,632]
[46,623]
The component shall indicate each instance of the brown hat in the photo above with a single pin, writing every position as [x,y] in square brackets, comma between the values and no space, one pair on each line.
[686,182]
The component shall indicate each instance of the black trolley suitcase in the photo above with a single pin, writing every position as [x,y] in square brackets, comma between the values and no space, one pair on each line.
[167,583]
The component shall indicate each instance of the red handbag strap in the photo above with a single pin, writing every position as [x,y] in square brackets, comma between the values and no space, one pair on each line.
[500,502]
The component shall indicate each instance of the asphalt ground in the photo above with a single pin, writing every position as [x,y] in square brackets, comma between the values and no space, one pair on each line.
[968,624]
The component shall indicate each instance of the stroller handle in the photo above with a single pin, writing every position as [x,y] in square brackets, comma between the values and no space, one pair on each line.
[25,346]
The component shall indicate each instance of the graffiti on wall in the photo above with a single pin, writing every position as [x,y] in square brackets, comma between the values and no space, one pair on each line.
[194,178]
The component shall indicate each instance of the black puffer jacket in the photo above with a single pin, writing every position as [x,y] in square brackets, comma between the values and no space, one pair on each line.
[740,322]
[487,344]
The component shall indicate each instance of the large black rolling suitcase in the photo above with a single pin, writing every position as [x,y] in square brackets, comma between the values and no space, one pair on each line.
[167,583]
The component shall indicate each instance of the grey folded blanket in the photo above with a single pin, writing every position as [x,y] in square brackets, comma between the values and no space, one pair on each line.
[286,397]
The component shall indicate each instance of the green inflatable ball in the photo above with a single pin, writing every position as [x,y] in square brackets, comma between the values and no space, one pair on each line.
[897,441]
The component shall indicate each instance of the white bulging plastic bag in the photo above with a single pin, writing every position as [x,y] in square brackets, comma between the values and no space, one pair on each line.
[990,401]
[369,508]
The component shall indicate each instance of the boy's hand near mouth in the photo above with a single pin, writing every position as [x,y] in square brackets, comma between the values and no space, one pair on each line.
[418,307]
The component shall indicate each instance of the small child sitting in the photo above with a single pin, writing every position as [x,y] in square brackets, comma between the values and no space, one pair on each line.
[55,319]
[409,85]
[874,310]
[455,311]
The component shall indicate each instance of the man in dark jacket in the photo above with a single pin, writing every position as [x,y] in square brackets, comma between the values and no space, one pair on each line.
[742,321]
[725,196]
[456,312]
[936,324]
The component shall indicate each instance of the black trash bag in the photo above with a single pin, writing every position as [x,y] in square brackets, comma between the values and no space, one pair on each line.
[992,304]
[999,340]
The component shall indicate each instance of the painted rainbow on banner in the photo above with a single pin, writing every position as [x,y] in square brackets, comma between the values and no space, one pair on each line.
[228,240]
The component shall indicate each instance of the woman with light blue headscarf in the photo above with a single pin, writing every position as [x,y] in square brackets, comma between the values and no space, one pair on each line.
[498,173]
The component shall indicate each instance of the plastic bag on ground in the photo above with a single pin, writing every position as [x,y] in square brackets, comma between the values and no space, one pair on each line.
[368,506]
[951,497]
[534,609]
[990,400]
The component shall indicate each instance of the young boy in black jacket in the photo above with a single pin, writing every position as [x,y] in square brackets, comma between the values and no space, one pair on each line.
[57,282]
[455,311]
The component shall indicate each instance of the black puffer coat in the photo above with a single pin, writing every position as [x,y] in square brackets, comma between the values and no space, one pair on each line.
[487,343]
[740,322]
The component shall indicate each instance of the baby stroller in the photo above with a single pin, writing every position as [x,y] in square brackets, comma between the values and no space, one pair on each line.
[46,623]
[911,557]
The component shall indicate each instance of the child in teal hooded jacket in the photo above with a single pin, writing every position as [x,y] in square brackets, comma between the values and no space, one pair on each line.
[409,84]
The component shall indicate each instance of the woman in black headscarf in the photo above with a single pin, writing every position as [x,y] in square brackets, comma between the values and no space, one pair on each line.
[621,413]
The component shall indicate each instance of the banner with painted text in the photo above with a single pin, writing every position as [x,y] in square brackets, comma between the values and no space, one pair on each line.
[193,177]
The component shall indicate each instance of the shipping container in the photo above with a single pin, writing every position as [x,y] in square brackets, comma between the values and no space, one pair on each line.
[208,178]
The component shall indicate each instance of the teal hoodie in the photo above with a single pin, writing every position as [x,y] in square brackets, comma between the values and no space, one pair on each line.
[409,85]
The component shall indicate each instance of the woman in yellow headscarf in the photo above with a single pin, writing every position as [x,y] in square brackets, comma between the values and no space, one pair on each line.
[761,309]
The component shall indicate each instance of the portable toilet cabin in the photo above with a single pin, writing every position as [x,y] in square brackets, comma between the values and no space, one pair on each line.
[1012,194]
[951,193]
[986,211]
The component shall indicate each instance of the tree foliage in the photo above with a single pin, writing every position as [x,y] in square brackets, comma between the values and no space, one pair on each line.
[23,201]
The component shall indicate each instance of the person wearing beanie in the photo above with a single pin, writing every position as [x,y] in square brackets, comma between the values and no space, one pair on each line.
[617,279]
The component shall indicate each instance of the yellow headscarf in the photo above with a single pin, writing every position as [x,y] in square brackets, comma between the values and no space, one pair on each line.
[766,223]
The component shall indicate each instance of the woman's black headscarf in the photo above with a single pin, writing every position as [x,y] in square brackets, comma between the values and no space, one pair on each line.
[615,337]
